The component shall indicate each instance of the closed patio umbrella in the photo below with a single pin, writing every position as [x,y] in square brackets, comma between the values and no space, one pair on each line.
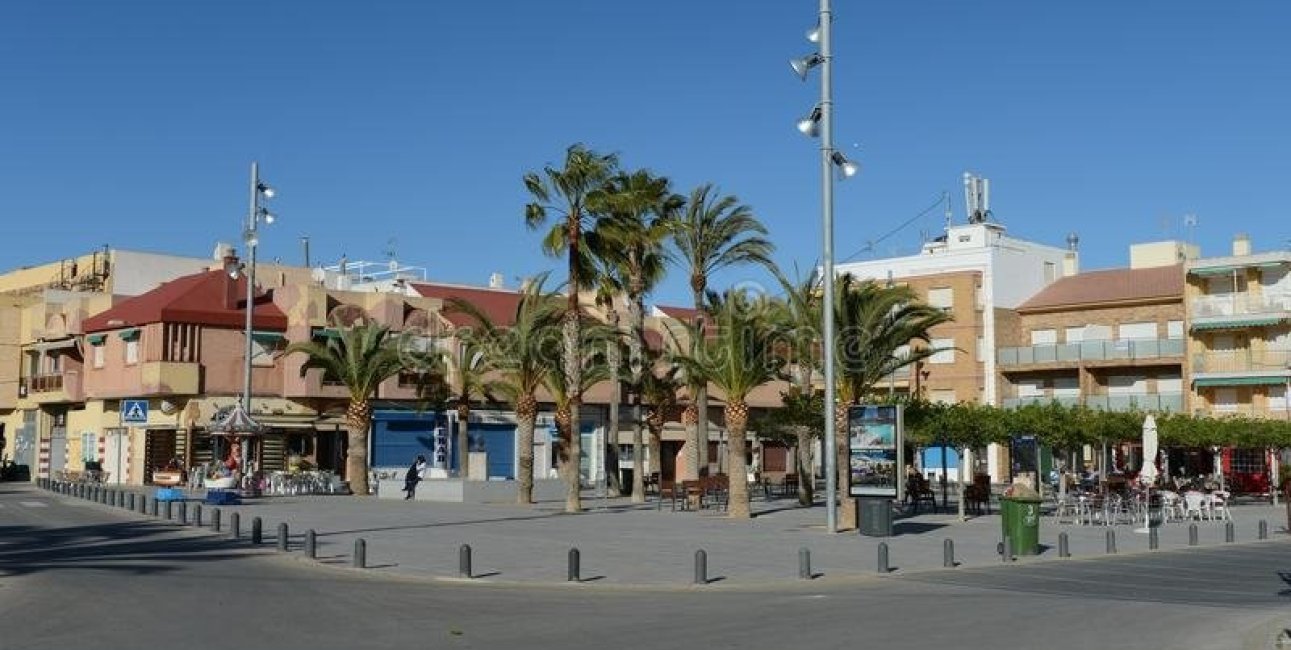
[1148,473]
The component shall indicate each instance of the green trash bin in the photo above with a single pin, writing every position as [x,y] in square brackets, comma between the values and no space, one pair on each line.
[1020,519]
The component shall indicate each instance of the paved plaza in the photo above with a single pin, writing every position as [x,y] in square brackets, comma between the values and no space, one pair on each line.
[632,545]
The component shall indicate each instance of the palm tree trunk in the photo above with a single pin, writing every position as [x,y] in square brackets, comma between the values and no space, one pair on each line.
[526,415]
[806,477]
[688,420]
[847,505]
[574,444]
[639,468]
[612,431]
[701,394]
[636,319]
[358,417]
[737,420]
[464,438]
[656,445]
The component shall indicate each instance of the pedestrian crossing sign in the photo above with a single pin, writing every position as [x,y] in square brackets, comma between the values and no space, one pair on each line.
[134,411]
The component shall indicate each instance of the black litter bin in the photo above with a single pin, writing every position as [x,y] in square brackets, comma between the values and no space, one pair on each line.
[875,516]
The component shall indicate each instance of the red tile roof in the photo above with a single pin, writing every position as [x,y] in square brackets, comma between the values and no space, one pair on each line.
[686,314]
[1110,286]
[210,298]
[498,304]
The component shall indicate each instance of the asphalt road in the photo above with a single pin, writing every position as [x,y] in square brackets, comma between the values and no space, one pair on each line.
[75,574]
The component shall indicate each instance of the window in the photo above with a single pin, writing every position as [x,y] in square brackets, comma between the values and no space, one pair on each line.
[1169,384]
[1224,399]
[262,353]
[945,351]
[1044,337]
[1075,334]
[1277,398]
[1127,385]
[1174,329]
[1066,387]
[1220,284]
[942,396]
[1126,331]
[89,447]
[98,356]
[132,351]
[1030,388]
[941,297]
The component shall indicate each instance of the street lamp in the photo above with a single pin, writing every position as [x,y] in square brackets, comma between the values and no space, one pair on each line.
[260,193]
[820,123]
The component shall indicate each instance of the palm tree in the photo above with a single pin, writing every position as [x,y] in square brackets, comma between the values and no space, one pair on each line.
[607,290]
[875,326]
[639,209]
[713,232]
[658,385]
[594,370]
[737,358]
[469,382]
[360,358]
[568,192]
[800,314]
[519,357]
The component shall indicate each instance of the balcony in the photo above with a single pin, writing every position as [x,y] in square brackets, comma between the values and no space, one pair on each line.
[1244,410]
[1064,400]
[54,387]
[1248,361]
[1157,402]
[1227,310]
[170,378]
[1085,351]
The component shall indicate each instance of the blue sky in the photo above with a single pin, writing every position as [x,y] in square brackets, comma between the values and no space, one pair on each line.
[133,122]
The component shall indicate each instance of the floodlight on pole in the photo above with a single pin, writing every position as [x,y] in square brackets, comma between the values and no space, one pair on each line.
[802,65]
[846,167]
[810,125]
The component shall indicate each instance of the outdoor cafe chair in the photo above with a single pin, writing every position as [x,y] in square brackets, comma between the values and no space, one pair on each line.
[1219,505]
[1195,506]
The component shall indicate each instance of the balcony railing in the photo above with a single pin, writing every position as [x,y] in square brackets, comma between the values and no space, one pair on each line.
[1240,304]
[1129,349]
[1159,402]
[1242,361]
[45,383]
[1247,410]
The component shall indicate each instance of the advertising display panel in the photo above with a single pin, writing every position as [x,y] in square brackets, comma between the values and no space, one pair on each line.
[875,434]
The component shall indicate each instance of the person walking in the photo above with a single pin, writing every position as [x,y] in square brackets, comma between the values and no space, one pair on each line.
[413,477]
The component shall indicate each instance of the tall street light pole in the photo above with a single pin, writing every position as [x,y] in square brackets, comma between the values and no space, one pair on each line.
[255,214]
[821,122]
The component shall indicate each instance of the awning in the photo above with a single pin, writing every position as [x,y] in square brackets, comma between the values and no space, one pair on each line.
[1215,270]
[60,344]
[1238,323]
[1270,380]
[268,337]
[131,334]
[96,339]
[325,333]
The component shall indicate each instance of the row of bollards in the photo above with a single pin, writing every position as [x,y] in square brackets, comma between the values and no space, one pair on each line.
[178,511]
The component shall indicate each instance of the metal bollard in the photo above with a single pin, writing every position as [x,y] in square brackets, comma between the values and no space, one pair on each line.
[130,502]
[197,515]
[701,567]
[256,530]
[1264,529]
[1064,546]
[1154,539]
[156,508]
[463,561]
[215,520]
[360,554]
[183,513]
[143,504]
[883,566]
[804,563]
[170,511]
[282,537]
[1111,542]
[948,554]
[1229,533]
[311,544]
[571,574]
[1006,554]
[235,525]
[1192,534]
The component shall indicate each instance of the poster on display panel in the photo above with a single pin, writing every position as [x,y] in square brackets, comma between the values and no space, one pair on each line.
[875,437]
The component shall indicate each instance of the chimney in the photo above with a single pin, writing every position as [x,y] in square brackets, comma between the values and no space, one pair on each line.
[1070,264]
[1241,244]
[496,281]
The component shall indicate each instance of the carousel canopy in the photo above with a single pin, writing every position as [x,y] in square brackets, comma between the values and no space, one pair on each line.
[237,423]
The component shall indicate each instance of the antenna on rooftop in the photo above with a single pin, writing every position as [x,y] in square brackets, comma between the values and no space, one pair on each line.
[977,198]
[945,198]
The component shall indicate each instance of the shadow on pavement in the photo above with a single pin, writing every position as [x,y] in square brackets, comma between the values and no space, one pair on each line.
[138,548]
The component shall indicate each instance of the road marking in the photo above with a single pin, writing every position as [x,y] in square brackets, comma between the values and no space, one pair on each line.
[33,504]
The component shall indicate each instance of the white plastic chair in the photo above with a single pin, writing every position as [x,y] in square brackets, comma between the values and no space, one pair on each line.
[1194,506]
[1171,506]
[1219,506]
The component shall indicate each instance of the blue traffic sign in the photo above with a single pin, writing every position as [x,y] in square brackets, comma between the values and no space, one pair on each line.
[134,411]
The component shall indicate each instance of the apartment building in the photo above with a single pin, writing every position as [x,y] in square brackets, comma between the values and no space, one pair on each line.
[1239,333]
[1110,339]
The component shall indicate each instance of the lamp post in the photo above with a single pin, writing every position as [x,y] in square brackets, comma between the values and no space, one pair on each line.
[260,192]
[821,123]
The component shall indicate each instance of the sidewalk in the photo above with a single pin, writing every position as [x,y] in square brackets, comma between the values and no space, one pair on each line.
[622,544]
